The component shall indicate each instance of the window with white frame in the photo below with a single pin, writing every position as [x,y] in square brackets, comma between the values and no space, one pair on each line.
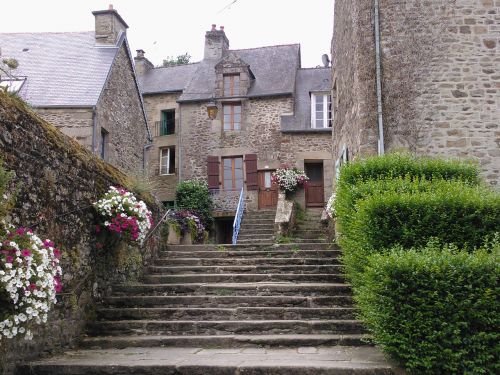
[321,110]
[167,160]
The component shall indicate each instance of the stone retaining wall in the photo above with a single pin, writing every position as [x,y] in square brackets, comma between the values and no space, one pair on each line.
[54,175]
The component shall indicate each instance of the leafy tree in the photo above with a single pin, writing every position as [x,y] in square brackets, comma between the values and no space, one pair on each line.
[179,60]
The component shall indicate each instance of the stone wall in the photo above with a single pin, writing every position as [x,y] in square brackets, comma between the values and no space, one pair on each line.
[54,175]
[164,186]
[353,67]
[119,111]
[76,123]
[260,134]
[441,78]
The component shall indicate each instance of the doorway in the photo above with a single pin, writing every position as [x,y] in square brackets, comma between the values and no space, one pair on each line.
[315,195]
[268,191]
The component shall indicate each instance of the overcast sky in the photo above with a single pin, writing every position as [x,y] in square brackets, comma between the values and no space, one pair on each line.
[171,28]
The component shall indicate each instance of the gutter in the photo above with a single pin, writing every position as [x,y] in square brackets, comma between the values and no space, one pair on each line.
[380,120]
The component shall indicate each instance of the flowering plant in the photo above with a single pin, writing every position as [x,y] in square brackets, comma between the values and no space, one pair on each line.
[30,276]
[124,214]
[330,209]
[288,178]
[185,221]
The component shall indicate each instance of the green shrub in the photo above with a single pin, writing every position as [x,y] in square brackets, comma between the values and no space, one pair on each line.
[455,213]
[194,195]
[436,311]
[6,200]
[400,165]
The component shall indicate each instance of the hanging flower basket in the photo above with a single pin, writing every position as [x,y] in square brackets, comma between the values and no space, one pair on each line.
[30,277]
[123,214]
[289,179]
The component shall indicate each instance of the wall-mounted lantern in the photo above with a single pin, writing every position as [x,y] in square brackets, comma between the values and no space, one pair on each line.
[212,109]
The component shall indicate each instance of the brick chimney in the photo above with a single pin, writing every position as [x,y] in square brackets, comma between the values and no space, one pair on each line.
[108,26]
[142,64]
[216,43]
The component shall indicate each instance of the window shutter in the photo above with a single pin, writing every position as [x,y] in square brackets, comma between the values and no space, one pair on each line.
[213,172]
[251,167]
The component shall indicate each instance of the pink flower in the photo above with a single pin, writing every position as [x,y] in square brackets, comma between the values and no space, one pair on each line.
[97,228]
[98,245]
[25,253]
[57,284]
[57,253]
[20,231]
[48,243]
[9,259]
[32,287]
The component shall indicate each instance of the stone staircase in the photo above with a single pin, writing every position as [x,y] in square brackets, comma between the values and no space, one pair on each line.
[310,230]
[244,309]
[257,227]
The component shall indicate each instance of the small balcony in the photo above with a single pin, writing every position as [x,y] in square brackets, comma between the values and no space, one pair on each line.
[162,128]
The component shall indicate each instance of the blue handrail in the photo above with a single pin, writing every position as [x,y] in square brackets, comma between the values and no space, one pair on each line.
[237,218]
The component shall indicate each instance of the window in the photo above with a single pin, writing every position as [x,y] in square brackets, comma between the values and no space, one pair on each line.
[104,144]
[231,84]
[232,116]
[232,173]
[167,160]
[12,85]
[167,124]
[321,110]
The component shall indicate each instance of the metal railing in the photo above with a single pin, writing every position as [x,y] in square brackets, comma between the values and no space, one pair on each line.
[237,218]
[157,225]
[163,128]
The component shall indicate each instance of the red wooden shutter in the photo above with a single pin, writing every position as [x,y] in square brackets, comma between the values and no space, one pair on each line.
[213,172]
[251,167]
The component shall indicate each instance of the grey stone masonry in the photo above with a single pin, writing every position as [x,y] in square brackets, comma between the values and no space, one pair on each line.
[440,79]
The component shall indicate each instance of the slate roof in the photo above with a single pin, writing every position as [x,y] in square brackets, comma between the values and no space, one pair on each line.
[274,69]
[170,79]
[308,80]
[62,69]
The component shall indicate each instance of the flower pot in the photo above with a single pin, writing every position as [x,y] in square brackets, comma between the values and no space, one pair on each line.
[173,237]
[187,239]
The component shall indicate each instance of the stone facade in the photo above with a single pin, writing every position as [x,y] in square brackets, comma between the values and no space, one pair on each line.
[163,185]
[440,79]
[120,113]
[54,175]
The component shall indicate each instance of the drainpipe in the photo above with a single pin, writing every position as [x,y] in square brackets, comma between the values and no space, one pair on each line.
[179,143]
[145,149]
[380,120]
[94,129]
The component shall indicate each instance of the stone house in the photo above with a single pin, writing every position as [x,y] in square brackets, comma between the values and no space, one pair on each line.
[264,120]
[85,84]
[438,77]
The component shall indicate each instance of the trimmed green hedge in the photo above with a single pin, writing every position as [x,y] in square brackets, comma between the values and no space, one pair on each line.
[194,195]
[435,311]
[453,213]
[400,165]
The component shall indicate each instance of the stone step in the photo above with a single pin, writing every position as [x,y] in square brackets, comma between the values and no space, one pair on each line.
[240,269]
[250,247]
[309,234]
[228,313]
[311,240]
[233,301]
[255,236]
[329,360]
[243,278]
[256,230]
[224,327]
[236,289]
[270,253]
[243,261]
[227,341]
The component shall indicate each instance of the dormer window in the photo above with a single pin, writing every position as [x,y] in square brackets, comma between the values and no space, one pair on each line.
[321,110]
[231,84]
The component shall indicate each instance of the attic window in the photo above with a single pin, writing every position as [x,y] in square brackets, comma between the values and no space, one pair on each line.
[231,84]
[12,85]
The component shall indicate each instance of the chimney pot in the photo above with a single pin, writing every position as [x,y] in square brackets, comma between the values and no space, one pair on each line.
[214,26]
[222,28]
[110,7]
[140,53]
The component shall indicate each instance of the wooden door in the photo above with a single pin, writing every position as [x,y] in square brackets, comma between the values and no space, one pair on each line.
[314,188]
[268,191]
